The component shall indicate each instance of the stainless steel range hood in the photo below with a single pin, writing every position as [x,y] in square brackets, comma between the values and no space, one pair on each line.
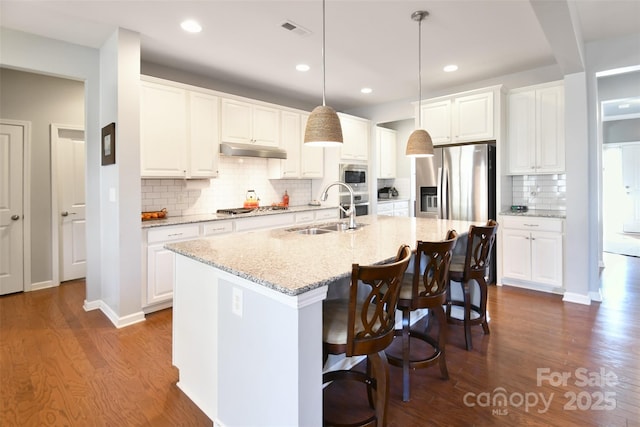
[251,150]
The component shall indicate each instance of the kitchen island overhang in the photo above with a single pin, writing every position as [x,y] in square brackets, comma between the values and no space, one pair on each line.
[247,315]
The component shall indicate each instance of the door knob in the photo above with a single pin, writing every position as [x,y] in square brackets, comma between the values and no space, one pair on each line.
[15,217]
[65,213]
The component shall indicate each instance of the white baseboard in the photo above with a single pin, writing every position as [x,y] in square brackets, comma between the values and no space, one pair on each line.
[118,322]
[596,295]
[43,285]
[576,298]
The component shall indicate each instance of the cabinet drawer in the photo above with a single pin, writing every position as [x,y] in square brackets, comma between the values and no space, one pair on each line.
[167,234]
[385,208]
[304,217]
[327,214]
[533,223]
[217,227]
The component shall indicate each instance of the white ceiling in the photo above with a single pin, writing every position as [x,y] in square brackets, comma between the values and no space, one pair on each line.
[370,43]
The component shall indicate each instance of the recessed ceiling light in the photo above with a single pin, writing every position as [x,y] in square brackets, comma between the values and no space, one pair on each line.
[302,67]
[366,90]
[191,26]
[450,68]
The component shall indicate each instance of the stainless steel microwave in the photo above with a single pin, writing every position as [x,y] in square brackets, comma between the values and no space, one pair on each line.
[355,175]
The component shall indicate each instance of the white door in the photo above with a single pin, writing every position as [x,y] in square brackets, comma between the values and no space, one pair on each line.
[70,150]
[11,209]
[631,182]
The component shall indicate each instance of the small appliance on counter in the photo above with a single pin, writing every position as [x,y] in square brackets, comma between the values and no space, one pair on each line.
[519,208]
[387,193]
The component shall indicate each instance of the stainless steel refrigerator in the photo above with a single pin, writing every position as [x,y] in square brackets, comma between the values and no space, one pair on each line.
[458,182]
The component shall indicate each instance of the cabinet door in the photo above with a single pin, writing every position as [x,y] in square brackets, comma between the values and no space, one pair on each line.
[311,158]
[236,120]
[355,134]
[436,119]
[159,274]
[521,132]
[163,131]
[204,135]
[516,256]
[290,138]
[401,208]
[385,209]
[266,126]
[473,117]
[550,155]
[386,153]
[546,258]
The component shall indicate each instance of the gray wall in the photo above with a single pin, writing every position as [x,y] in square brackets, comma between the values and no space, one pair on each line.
[41,100]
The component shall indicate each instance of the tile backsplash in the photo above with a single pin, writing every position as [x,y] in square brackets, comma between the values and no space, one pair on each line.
[547,192]
[236,176]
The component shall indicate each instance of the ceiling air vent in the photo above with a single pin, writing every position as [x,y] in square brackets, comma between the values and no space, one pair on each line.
[295,28]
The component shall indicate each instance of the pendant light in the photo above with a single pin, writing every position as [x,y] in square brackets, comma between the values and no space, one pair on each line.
[419,143]
[323,125]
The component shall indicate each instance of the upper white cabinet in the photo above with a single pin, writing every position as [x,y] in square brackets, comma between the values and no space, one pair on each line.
[387,152]
[536,129]
[245,122]
[436,118]
[302,161]
[467,117]
[355,135]
[179,133]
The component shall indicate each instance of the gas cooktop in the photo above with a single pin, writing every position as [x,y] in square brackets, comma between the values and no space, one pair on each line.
[240,211]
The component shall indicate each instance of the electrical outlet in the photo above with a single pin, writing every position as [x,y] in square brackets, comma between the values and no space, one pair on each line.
[236,301]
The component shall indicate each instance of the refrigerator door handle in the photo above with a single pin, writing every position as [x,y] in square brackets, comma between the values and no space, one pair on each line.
[442,200]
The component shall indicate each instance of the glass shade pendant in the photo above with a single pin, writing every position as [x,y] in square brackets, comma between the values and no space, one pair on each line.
[419,143]
[323,125]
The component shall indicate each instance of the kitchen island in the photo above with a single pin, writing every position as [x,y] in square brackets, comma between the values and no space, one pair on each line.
[247,316]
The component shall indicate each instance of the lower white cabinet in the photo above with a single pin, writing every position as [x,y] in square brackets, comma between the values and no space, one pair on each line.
[397,208]
[532,251]
[159,271]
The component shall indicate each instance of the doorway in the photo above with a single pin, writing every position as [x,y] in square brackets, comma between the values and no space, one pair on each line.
[68,202]
[619,96]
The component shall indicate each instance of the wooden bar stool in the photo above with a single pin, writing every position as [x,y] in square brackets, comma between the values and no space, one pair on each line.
[426,288]
[364,325]
[472,269]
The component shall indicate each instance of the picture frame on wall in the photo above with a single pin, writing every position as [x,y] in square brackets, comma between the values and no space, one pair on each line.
[109,144]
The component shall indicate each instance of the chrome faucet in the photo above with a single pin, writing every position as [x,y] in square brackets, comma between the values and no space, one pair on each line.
[351,212]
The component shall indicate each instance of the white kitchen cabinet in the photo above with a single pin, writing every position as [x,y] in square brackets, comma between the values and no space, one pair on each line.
[436,119]
[326,214]
[355,134]
[536,129]
[249,123]
[159,268]
[464,117]
[401,208]
[394,208]
[302,161]
[311,158]
[387,152]
[532,251]
[179,135]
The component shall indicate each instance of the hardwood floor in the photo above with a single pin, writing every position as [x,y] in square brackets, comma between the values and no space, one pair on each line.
[62,366]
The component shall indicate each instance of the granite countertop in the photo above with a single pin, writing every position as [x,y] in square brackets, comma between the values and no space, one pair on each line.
[294,263]
[189,219]
[537,212]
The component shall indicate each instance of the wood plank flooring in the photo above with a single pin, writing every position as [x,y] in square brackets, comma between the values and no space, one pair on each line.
[61,366]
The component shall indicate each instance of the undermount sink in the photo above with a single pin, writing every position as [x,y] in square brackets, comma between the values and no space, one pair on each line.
[311,230]
[341,227]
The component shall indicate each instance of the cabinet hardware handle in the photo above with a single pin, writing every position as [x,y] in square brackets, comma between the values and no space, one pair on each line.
[175,234]
[532,225]
[65,213]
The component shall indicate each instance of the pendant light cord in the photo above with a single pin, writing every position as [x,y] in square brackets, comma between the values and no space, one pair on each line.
[324,72]
[420,73]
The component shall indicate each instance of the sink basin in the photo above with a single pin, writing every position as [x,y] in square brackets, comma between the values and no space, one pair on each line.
[341,227]
[311,230]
